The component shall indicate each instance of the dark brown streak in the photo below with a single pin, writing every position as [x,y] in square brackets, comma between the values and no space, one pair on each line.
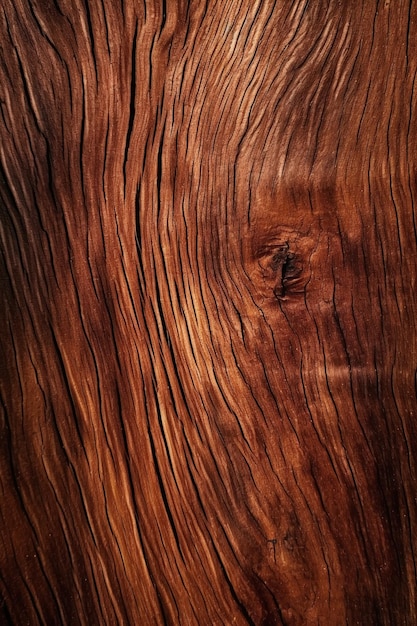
[43,32]
[92,39]
[231,588]
[132,103]
[161,481]
[69,395]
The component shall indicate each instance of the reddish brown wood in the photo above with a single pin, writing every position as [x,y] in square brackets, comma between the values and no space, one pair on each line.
[209,317]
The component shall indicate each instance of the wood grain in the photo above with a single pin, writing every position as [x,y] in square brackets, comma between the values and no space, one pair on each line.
[208,384]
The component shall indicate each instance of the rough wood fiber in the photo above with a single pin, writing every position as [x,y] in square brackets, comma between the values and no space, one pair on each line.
[209,321]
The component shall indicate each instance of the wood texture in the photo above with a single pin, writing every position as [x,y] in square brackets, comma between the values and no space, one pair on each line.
[209,316]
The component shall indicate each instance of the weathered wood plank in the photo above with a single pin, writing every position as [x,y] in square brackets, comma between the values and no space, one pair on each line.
[209,317]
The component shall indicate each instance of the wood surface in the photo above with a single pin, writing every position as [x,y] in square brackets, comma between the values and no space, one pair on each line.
[208,322]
